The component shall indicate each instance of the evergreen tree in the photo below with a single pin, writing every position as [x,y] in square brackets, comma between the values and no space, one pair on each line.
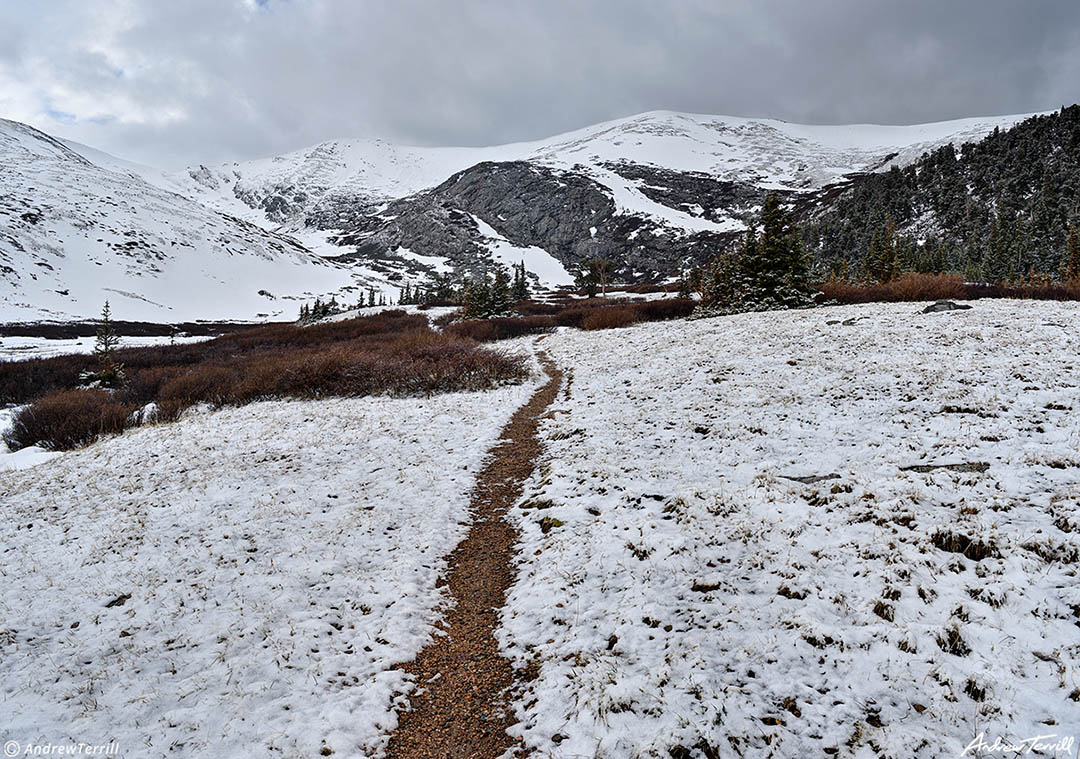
[521,283]
[110,372]
[686,285]
[477,300]
[442,291]
[774,265]
[723,285]
[883,257]
[501,299]
[592,275]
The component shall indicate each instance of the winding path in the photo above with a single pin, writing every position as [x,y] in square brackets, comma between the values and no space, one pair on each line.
[460,708]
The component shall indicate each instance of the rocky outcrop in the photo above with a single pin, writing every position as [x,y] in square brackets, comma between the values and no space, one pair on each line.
[569,214]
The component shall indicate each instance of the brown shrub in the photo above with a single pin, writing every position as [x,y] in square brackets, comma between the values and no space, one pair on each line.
[910,287]
[574,314]
[391,353]
[69,419]
[534,308]
[446,319]
[666,308]
[610,317]
[486,330]
[918,287]
[200,384]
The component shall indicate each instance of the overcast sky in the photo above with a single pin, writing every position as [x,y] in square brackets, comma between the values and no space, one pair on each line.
[175,82]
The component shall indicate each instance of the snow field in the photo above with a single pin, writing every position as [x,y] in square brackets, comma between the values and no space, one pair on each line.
[238,583]
[22,348]
[687,599]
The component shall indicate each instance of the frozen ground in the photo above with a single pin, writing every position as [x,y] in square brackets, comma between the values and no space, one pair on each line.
[689,594]
[238,583]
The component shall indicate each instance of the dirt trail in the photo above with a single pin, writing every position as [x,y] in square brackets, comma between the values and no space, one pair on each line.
[462,709]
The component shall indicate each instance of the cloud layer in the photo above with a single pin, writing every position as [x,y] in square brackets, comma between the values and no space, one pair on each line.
[214,80]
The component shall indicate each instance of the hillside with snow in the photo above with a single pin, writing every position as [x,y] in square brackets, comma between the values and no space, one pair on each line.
[770,153]
[654,193]
[74,234]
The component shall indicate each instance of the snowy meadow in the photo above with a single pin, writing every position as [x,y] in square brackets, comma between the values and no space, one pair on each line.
[239,583]
[843,532]
[839,532]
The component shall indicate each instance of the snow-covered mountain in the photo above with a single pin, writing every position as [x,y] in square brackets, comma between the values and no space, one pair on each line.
[74,233]
[772,154]
[650,191]
[653,192]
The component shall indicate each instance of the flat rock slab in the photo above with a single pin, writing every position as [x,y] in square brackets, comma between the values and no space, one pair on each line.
[971,466]
[945,305]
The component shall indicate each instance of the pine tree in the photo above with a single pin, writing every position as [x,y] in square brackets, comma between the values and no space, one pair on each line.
[686,285]
[521,283]
[723,285]
[443,290]
[501,296]
[775,266]
[592,275]
[883,258]
[478,298]
[110,371]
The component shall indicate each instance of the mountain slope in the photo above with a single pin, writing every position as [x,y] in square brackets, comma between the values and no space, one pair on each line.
[664,188]
[1000,208]
[655,193]
[73,234]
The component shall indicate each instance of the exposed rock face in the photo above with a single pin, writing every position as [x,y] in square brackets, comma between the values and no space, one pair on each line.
[693,192]
[569,214]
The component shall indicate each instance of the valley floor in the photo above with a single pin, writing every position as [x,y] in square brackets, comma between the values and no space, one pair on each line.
[242,582]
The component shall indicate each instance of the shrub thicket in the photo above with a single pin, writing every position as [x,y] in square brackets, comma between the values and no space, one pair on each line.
[389,353]
[920,287]
[69,419]
[486,330]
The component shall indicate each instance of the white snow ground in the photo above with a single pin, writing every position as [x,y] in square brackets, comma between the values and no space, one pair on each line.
[695,597]
[24,348]
[279,557]
[692,597]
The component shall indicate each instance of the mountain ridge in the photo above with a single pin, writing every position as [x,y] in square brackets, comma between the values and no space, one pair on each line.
[656,193]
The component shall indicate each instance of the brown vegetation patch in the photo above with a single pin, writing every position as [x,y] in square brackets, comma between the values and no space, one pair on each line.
[391,353]
[957,542]
[501,328]
[920,287]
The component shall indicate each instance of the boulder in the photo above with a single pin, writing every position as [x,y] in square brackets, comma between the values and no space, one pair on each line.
[945,305]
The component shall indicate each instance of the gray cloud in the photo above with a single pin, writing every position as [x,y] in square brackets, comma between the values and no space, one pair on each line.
[214,80]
